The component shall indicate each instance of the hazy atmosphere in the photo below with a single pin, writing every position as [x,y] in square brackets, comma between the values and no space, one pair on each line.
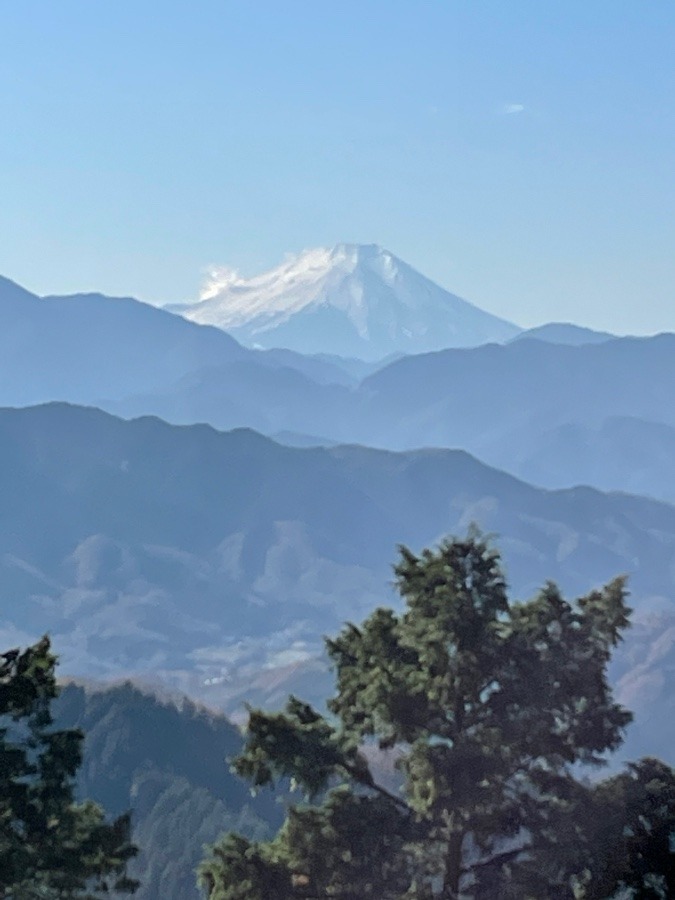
[521,154]
[337,450]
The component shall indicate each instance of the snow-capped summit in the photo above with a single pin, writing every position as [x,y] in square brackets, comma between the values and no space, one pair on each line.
[351,300]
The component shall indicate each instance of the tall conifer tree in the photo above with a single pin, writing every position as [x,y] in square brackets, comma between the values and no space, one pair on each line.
[490,706]
[50,846]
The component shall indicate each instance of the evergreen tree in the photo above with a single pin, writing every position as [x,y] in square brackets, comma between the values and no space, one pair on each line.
[491,705]
[50,846]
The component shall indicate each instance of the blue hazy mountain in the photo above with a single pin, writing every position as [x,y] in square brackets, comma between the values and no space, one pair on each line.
[564,333]
[89,348]
[541,411]
[213,562]
[514,406]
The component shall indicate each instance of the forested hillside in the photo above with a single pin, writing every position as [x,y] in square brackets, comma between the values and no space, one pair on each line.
[215,562]
[166,762]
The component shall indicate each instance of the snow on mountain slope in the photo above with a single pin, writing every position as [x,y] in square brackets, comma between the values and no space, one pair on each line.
[351,300]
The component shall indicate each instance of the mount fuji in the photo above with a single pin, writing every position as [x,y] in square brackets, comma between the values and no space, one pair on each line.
[352,301]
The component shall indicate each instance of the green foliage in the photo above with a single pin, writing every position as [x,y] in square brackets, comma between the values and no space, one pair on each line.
[165,760]
[491,705]
[628,828]
[49,845]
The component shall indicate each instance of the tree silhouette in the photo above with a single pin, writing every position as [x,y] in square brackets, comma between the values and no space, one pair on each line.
[50,846]
[490,705]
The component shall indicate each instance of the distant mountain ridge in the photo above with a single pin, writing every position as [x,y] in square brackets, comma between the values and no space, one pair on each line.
[93,349]
[88,347]
[564,333]
[350,300]
[215,562]
[538,408]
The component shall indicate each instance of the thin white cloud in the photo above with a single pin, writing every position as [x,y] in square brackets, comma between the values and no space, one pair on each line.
[512,109]
[218,278]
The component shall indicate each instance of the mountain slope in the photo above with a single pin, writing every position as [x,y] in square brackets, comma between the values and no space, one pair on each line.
[214,562]
[619,451]
[167,763]
[512,404]
[351,300]
[88,346]
[564,333]
[541,411]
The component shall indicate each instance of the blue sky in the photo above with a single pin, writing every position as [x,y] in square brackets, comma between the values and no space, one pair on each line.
[521,154]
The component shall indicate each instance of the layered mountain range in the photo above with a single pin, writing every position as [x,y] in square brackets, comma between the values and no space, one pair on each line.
[154,544]
[214,562]
[554,414]
[573,407]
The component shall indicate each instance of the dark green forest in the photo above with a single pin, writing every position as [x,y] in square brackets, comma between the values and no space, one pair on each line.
[156,769]
[498,714]
[168,765]
[50,844]
[499,711]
